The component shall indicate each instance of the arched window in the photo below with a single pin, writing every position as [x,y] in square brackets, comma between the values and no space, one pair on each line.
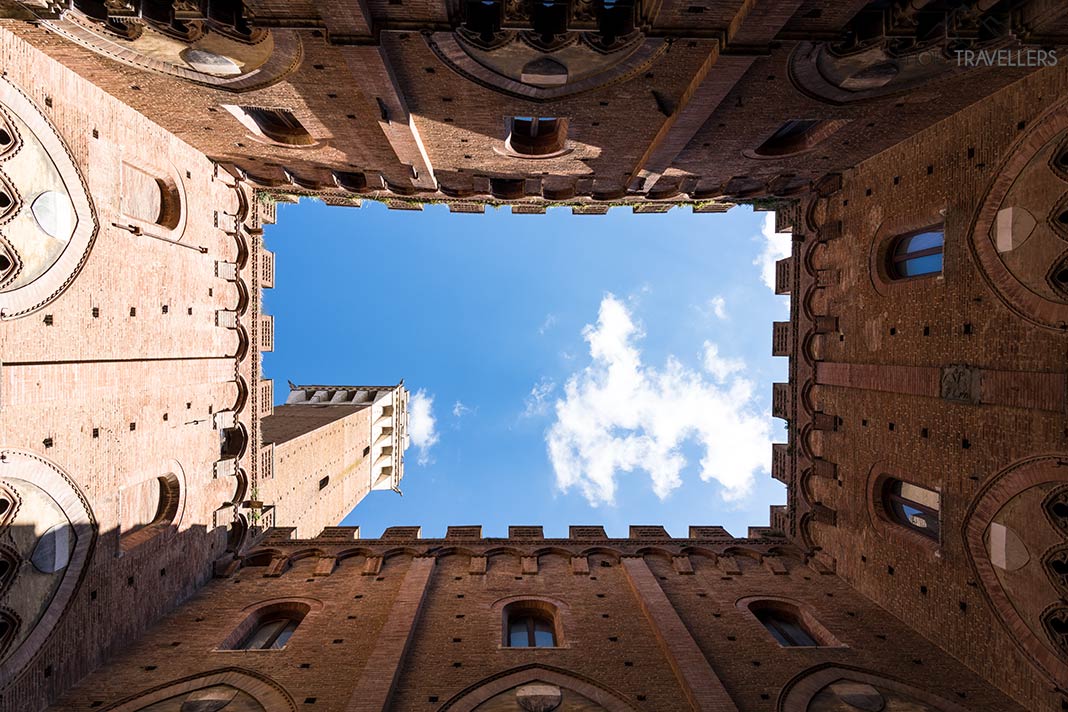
[271,634]
[277,125]
[150,199]
[531,630]
[916,254]
[232,442]
[530,624]
[267,628]
[789,623]
[798,135]
[147,509]
[537,136]
[912,506]
[483,18]
[785,627]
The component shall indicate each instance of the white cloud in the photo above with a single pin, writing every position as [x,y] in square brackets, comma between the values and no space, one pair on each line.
[422,428]
[550,320]
[620,415]
[718,306]
[719,366]
[537,401]
[777,245]
[459,410]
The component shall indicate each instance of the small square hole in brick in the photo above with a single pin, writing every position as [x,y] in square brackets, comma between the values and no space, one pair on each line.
[965,444]
[96,703]
[890,426]
[309,700]
[96,432]
[457,664]
[613,639]
[305,666]
[890,570]
[133,426]
[967,329]
[92,595]
[432,698]
[150,668]
[47,442]
[338,641]
[352,618]
[924,433]
[48,320]
[459,615]
[163,572]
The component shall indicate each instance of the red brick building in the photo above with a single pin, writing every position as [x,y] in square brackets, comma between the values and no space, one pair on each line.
[920,562]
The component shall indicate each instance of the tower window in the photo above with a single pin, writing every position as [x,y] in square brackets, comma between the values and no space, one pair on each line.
[917,254]
[785,627]
[530,624]
[267,628]
[913,507]
[798,135]
[529,630]
[270,634]
[278,125]
[536,136]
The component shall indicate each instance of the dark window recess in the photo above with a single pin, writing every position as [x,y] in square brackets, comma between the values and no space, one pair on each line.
[785,627]
[917,254]
[912,506]
[270,634]
[279,125]
[537,135]
[324,482]
[530,630]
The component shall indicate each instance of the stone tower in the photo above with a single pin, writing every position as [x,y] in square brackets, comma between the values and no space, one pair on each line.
[327,448]
[921,559]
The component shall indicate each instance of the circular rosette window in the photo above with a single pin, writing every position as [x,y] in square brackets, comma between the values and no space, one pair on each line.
[46,222]
[201,51]
[1020,238]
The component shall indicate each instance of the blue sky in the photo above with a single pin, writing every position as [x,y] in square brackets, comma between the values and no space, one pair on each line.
[565,369]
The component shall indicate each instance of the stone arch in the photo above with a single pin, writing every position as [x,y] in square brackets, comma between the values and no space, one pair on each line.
[48,499]
[588,67]
[44,241]
[1010,499]
[468,700]
[205,53]
[817,70]
[1018,235]
[830,682]
[271,696]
